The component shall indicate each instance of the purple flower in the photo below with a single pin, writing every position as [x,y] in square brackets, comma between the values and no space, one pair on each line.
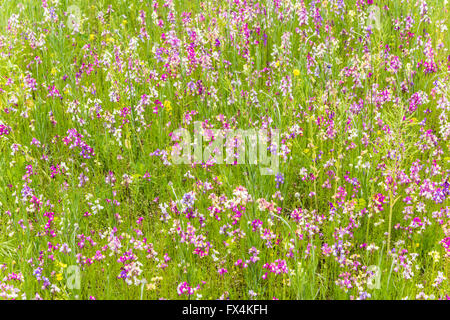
[279,179]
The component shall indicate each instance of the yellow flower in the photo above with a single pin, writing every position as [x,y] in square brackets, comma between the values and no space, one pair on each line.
[59,277]
[296,72]
[53,71]
[29,103]
[91,37]
[151,286]
[168,106]
[127,143]
[435,255]
[124,22]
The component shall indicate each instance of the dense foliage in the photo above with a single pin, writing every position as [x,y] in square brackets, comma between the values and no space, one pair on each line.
[92,94]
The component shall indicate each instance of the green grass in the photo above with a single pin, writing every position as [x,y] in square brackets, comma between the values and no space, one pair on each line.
[387,137]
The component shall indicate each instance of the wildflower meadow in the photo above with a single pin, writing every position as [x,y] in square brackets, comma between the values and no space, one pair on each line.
[224,149]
